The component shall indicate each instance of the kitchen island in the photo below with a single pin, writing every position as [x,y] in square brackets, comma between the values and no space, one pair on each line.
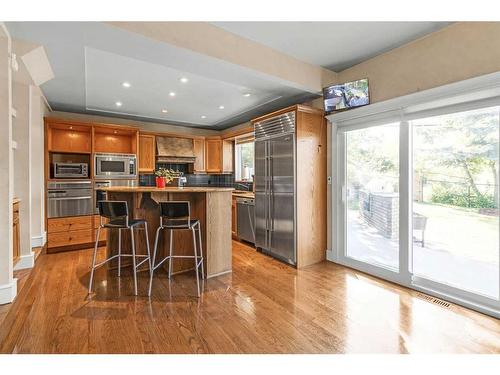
[210,205]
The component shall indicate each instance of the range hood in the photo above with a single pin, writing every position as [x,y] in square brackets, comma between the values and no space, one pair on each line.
[175,150]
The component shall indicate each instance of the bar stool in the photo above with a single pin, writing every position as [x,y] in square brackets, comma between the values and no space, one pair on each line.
[118,218]
[176,215]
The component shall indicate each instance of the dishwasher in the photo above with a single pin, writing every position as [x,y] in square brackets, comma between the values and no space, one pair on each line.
[245,219]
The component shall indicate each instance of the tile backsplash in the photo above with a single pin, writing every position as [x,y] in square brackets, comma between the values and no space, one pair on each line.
[226,180]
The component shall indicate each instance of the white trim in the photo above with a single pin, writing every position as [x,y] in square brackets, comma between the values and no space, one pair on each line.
[451,97]
[25,261]
[8,292]
[39,241]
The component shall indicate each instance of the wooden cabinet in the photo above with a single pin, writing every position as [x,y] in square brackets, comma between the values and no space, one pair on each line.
[16,247]
[69,231]
[234,216]
[213,149]
[219,156]
[199,152]
[68,137]
[146,153]
[104,232]
[115,139]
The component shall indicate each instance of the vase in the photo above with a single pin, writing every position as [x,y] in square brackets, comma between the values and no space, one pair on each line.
[160,182]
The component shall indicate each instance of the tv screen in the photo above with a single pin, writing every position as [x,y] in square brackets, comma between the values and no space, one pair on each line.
[347,95]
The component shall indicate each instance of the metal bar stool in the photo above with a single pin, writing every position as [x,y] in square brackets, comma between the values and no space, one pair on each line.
[176,215]
[117,214]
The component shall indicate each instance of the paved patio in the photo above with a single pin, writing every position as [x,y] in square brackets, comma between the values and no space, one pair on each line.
[461,247]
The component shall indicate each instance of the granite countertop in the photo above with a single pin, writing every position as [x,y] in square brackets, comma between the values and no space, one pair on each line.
[168,189]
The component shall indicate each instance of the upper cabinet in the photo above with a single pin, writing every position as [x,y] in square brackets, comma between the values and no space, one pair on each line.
[68,137]
[115,139]
[219,155]
[146,153]
[199,151]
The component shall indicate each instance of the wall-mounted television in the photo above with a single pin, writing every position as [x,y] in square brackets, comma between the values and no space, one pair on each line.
[345,96]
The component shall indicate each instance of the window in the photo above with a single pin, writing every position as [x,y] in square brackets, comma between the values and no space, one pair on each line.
[244,160]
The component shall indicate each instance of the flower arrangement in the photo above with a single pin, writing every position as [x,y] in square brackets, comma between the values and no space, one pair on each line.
[165,175]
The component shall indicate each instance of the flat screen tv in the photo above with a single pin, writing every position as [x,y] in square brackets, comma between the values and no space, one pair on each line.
[345,96]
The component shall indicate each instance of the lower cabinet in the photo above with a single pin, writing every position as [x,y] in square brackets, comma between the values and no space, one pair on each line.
[104,232]
[16,246]
[73,231]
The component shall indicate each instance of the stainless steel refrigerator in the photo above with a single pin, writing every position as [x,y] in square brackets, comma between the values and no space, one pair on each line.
[275,186]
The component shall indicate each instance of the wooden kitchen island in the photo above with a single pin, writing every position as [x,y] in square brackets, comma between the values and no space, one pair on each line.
[210,205]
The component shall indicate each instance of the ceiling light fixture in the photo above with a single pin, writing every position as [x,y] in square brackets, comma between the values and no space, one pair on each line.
[126,84]
[184,80]
[164,111]
[118,104]
[221,107]
[247,95]
[171,93]
[203,116]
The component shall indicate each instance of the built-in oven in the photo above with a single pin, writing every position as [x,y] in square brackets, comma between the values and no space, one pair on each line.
[111,166]
[69,198]
[70,170]
[101,195]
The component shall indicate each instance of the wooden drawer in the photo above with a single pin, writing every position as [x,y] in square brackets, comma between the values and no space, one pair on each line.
[104,232]
[65,224]
[75,237]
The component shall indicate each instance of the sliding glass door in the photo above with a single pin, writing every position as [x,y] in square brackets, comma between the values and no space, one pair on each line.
[372,196]
[418,203]
[455,200]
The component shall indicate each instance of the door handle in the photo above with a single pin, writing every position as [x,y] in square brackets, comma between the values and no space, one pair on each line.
[68,198]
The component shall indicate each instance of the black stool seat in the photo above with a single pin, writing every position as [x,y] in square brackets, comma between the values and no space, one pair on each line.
[180,223]
[122,223]
[116,212]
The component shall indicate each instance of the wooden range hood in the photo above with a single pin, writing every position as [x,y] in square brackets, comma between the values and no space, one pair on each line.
[175,150]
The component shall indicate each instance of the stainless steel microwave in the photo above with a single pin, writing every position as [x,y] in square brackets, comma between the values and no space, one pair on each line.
[110,166]
[71,170]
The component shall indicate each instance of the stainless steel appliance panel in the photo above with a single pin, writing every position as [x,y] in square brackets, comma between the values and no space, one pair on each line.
[120,166]
[275,187]
[245,219]
[101,195]
[282,227]
[69,199]
[71,170]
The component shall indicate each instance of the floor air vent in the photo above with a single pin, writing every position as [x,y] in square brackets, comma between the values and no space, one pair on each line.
[433,300]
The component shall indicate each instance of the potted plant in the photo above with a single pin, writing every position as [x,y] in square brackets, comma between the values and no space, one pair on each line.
[164,176]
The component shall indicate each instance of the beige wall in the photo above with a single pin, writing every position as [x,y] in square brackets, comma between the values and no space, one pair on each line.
[460,51]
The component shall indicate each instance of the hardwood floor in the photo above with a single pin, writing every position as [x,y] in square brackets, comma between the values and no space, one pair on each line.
[264,306]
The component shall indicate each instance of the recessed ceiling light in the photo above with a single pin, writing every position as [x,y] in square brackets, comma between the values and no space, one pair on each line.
[118,104]
[203,116]
[247,94]
[164,111]
[126,84]
[221,107]
[171,93]
[184,80]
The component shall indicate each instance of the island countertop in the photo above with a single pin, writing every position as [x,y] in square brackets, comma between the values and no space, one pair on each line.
[168,189]
[210,205]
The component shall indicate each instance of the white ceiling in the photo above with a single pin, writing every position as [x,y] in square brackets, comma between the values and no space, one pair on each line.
[333,45]
[91,60]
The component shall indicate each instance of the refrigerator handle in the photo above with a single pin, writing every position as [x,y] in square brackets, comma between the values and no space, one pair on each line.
[271,191]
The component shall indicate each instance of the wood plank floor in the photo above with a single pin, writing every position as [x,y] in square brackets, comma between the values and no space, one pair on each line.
[264,306]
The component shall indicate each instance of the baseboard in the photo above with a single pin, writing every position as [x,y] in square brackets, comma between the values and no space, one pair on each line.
[8,292]
[39,241]
[25,261]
